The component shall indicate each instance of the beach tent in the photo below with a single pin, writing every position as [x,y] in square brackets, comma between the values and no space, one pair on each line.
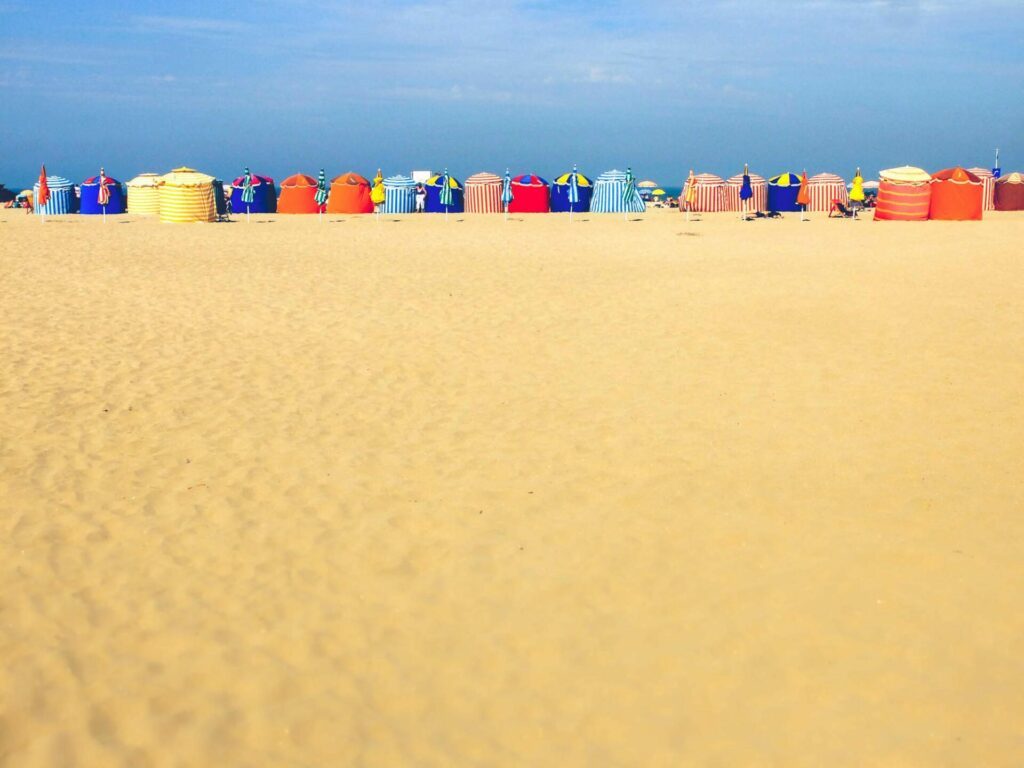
[433,189]
[483,193]
[529,195]
[220,198]
[264,195]
[783,191]
[298,195]
[903,194]
[708,193]
[956,196]
[399,194]
[144,195]
[6,195]
[186,196]
[988,187]
[350,193]
[824,189]
[609,189]
[1010,193]
[758,185]
[62,196]
[560,193]
[90,204]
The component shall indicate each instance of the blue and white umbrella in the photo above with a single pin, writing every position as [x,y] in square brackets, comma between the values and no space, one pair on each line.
[506,192]
[574,190]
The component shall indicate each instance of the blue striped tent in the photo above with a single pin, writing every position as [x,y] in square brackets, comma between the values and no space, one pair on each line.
[560,194]
[90,197]
[783,191]
[433,203]
[62,196]
[608,192]
[399,194]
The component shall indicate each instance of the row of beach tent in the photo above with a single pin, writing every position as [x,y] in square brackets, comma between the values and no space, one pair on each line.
[186,195]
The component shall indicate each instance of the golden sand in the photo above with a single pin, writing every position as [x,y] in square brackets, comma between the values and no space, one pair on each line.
[416,493]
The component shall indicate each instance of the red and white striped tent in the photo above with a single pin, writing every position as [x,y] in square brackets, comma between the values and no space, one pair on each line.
[823,188]
[988,188]
[710,193]
[483,193]
[758,185]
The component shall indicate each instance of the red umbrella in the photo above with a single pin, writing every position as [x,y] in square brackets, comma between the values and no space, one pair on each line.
[803,197]
[43,197]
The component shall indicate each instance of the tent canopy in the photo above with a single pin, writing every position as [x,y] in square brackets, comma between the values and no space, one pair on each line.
[186,177]
[905,174]
[298,180]
[957,176]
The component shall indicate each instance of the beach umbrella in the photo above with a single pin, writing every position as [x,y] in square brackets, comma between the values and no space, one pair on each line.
[321,192]
[377,194]
[803,197]
[43,196]
[628,192]
[103,194]
[746,190]
[506,191]
[574,190]
[691,193]
[445,195]
[248,193]
[857,191]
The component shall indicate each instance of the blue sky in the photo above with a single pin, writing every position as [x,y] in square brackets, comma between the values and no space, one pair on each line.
[533,85]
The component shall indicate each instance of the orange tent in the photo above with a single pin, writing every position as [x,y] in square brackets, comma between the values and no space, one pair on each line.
[903,194]
[957,195]
[350,193]
[298,195]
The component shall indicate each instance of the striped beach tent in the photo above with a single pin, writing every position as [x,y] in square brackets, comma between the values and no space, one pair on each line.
[708,193]
[560,197]
[758,185]
[399,194]
[783,191]
[609,192]
[264,195]
[298,195]
[434,202]
[90,204]
[530,194]
[187,196]
[1010,192]
[62,196]
[824,188]
[144,195]
[483,193]
[956,196]
[904,194]
[988,184]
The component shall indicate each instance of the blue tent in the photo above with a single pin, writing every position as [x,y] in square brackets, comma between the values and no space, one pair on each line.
[783,191]
[560,194]
[433,201]
[220,200]
[264,195]
[90,205]
[609,190]
[62,196]
[399,194]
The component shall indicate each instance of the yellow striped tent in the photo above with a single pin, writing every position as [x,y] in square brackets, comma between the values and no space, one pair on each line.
[144,194]
[186,195]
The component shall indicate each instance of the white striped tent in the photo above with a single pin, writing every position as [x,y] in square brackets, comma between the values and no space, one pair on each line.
[988,181]
[144,195]
[758,185]
[710,193]
[483,193]
[823,188]
[609,189]
[62,196]
[399,194]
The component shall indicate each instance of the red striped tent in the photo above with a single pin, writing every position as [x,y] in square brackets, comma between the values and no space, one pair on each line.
[824,189]
[710,193]
[483,193]
[758,185]
[904,194]
[988,182]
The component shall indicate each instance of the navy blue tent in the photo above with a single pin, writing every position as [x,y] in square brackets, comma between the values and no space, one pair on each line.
[433,201]
[783,191]
[264,195]
[89,204]
[560,194]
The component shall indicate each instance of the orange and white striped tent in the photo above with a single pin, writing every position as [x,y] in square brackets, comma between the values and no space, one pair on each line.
[758,185]
[483,193]
[824,189]
[709,193]
[988,183]
[904,194]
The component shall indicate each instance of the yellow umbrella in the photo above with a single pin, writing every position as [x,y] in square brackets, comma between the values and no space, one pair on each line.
[691,194]
[377,192]
[658,192]
[857,190]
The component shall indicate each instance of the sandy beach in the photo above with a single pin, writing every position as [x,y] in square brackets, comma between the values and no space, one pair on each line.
[416,493]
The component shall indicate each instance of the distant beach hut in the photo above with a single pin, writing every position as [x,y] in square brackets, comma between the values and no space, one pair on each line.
[6,195]
[759,188]
[434,202]
[560,193]
[62,196]
[956,196]
[904,194]
[824,189]
[298,195]
[144,195]
[399,194]
[264,195]
[483,193]
[610,190]
[530,194]
[708,193]
[1010,193]
[187,196]
[90,204]
[783,191]
[350,193]
[988,187]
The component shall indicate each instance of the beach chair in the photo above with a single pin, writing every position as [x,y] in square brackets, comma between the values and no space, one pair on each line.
[839,211]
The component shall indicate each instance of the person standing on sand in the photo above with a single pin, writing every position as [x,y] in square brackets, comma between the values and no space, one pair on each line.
[421,198]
